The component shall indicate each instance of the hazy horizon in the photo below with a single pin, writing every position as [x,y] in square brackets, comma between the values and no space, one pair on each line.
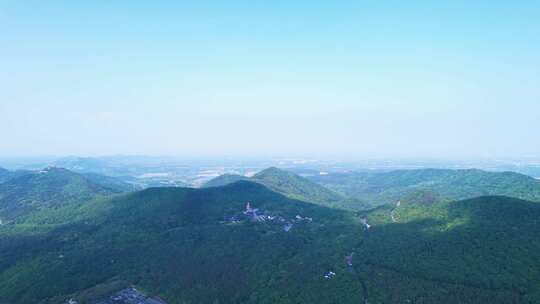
[344,79]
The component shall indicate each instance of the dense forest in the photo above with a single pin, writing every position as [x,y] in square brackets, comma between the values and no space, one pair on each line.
[48,188]
[209,245]
[379,188]
[295,187]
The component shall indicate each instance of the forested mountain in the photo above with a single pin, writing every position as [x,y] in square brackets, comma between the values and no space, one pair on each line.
[208,246]
[295,187]
[48,188]
[386,187]
[224,179]
[457,252]
[185,245]
[246,243]
[112,183]
[6,175]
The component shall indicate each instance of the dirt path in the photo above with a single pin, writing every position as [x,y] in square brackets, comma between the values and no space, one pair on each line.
[392,212]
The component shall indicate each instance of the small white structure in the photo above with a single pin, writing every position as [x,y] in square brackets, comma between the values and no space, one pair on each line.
[248,208]
[287,227]
[329,275]
[365,223]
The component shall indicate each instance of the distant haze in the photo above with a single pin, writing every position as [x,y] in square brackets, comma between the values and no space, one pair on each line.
[343,78]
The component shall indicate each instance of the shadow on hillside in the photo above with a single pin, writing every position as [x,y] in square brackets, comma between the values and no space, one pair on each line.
[157,236]
[489,243]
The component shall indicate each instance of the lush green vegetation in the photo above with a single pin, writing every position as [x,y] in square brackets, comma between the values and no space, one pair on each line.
[176,242]
[50,188]
[224,179]
[6,175]
[482,247]
[112,183]
[196,246]
[387,187]
[295,187]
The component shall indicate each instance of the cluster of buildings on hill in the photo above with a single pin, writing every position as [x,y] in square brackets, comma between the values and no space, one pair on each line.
[365,223]
[329,275]
[256,215]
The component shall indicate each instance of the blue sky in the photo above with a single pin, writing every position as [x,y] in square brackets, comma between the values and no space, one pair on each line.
[329,78]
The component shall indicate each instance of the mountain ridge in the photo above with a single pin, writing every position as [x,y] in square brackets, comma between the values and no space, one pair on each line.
[244,242]
[48,188]
[386,187]
[295,187]
[174,235]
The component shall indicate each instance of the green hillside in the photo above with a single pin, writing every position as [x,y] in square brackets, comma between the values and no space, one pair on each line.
[201,246]
[114,184]
[284,182]
[187,246]
[295,187]
[224,179]
[385,187]
[465,251]
[49,188]
[6,175]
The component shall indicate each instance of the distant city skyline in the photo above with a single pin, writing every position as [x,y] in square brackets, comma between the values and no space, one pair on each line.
[345,79]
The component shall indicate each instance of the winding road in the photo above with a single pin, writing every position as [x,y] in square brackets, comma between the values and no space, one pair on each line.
[393,210]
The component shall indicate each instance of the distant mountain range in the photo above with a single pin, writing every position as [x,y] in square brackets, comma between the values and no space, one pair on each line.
[224,179]
[293,186]
[23,192]
[114,184]
[274,238]
[48,188]
[386,187]
[6,175]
